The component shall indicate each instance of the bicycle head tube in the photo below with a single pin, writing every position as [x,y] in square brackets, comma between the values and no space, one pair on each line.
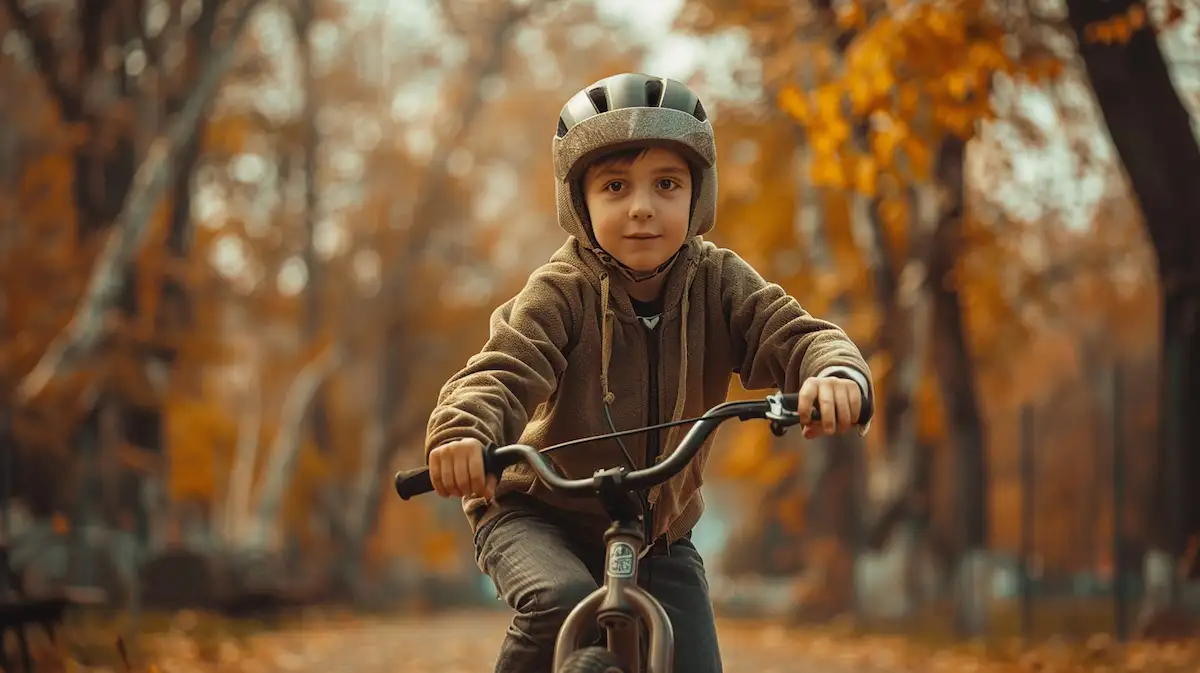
[618,607]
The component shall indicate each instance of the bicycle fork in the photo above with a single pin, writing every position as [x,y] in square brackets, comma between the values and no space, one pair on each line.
[620,607]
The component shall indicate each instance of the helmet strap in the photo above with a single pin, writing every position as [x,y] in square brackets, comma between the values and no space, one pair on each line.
[629,273]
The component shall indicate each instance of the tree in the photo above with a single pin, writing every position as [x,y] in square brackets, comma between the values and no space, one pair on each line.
[131,126]
[882,109]
[1152,131]
[887,102]
[400,291]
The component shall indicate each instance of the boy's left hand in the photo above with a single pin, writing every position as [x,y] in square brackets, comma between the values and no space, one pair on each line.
[840,401]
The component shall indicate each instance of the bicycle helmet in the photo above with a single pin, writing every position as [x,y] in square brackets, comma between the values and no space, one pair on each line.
[624,111]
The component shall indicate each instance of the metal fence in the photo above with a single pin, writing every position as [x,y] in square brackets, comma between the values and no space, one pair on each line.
[1072,492]
[1109,488]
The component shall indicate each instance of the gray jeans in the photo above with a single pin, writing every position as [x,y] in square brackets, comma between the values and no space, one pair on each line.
[543,564]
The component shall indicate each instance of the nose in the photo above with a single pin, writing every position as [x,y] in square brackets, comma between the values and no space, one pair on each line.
[641,206]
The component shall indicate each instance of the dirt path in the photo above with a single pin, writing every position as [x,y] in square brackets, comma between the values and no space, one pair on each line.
[467,642]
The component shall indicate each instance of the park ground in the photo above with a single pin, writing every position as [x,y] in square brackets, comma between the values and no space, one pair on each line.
[467,642]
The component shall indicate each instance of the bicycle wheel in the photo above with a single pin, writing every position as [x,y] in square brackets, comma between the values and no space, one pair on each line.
[592,660]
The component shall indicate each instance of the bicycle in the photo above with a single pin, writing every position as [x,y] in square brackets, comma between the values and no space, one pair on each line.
[620,603]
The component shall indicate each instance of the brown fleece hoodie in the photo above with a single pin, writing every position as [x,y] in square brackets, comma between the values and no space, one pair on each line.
[569,342]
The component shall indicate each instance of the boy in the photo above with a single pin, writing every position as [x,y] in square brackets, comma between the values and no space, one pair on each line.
[635,321]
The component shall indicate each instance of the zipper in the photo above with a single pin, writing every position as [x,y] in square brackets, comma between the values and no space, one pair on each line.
[652,437]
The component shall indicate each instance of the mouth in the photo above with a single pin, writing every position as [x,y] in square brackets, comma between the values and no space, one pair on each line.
[643,237]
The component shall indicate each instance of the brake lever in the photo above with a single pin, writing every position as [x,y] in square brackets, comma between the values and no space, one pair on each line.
[780,417]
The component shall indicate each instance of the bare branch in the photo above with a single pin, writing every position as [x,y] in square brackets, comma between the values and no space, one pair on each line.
[490,62]
[129,230]
[451,17]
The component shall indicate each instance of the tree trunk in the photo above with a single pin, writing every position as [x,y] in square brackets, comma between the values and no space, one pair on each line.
[286,446]
[956,379]
[314,287]
[241,474]
[87,505]
[361,512]
[1152,132]
[904,334]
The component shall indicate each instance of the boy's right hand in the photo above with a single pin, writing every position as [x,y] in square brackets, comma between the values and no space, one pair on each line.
[456,468]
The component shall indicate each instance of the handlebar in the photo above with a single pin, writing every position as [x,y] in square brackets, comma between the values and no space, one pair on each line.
[779,408]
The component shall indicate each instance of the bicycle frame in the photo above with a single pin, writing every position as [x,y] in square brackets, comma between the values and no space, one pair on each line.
[618,606]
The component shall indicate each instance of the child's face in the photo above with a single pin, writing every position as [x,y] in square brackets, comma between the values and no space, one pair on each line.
[640,208]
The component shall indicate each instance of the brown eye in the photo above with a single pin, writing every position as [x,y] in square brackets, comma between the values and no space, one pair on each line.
[615,186]
[667,184]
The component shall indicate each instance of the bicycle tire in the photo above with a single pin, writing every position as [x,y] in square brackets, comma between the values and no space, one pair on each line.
[592,660]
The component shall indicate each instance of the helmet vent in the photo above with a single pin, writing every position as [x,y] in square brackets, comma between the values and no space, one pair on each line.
[699,112]
[599,98]
[562,127]
[654,93]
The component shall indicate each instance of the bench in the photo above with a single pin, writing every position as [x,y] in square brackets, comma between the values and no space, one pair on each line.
[20,612]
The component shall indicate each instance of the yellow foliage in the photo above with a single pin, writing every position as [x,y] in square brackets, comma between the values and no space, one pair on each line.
[440,549]
[908,97]
[920,158]
[827,170]
[227,135]
[791,512]
[829,103]
[46,183]
[196,433]
[931,421]
[792,101]
[913,74]
[1120,28]
[863,324]
[861,95]
[883,144]
[312,472]
[960,83]
[866,175]
[777,466]
[748,451]
[760,197]
[894,213]
[850,15]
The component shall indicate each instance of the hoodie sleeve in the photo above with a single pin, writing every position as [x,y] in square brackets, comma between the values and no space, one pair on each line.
[777,342]
[492,398]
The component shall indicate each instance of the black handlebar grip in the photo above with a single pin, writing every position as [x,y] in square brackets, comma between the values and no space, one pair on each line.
[867,410]
[790,401]
[413,482]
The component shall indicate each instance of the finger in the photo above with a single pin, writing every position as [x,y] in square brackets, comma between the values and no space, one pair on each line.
[804,400]
[814,431]
[437,463]
[477,475]
[856,404]
[828,408]
[841,400]
[462,475]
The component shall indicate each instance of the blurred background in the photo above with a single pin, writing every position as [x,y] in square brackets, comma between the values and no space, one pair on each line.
[244,242]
